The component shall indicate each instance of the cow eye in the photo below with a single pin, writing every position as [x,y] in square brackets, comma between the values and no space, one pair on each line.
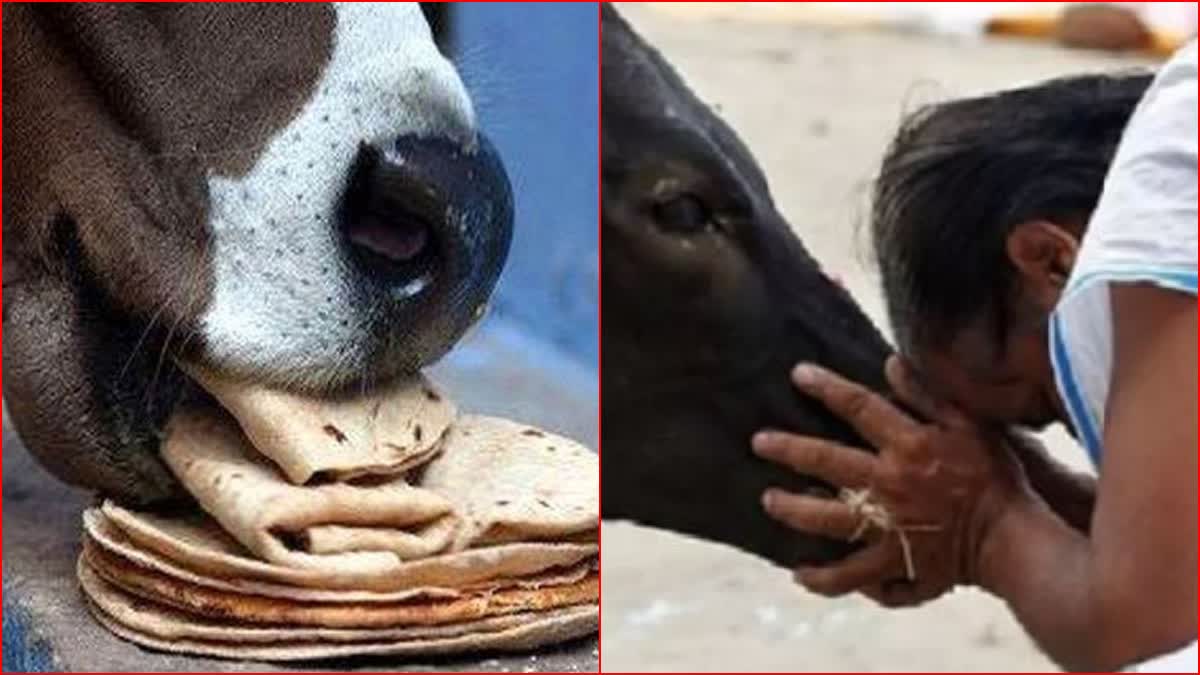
[683,214]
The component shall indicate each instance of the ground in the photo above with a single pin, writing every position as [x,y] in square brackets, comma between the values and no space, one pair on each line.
[816,105]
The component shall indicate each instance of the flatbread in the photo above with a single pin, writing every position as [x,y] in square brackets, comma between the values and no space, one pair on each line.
[328,526]
[512,482]
[552,629]
[212,603]
[381,524]
[98,531]
[164,622]
[385,431]
[196,542]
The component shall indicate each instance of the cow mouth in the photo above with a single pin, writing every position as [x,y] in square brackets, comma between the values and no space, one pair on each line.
[401,251]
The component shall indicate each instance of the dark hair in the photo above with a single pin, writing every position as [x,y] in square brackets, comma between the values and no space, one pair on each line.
[960,175]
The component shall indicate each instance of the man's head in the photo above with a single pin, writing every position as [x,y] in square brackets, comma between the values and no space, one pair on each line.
[978,210]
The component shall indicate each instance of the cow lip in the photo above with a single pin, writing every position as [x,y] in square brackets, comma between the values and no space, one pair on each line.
[194,371]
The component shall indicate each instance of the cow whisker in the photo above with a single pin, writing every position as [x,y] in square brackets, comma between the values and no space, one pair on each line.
[192,288]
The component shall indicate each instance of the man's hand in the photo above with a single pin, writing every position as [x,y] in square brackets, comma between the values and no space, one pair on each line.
[923,505]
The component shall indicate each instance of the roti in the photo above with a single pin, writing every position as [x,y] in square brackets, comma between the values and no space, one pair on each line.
[196,542]
[217,604]
[513,482]
[328,526]
[99,532]
[163,622]
[537,633]
[494,481]
[384,524]
[385,431]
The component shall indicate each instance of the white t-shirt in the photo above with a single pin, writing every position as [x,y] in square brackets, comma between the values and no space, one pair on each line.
[1143,230]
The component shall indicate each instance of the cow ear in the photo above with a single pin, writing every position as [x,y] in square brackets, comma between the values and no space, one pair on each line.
[440,17]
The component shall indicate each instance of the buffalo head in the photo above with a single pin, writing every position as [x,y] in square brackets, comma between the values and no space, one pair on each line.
[709,300]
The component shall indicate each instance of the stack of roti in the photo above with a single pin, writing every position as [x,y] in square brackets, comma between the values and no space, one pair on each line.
[385,525]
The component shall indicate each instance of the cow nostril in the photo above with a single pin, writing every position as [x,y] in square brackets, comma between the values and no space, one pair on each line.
[429,217]
[399,251]
[389,219]
[401,241]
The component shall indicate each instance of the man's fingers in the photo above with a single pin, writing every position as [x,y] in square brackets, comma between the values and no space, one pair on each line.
[864,568]
[837,464]
[900,377]
[871,414]
[914,394]
[896,593]
[826,517]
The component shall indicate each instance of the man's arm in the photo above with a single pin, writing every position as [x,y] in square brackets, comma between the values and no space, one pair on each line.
[1070,494]
[1128,592]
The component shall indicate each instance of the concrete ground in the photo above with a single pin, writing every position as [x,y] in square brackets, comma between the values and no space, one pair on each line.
[816,105]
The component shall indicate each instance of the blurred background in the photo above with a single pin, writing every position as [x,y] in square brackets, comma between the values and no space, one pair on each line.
[532,70]
[816,90]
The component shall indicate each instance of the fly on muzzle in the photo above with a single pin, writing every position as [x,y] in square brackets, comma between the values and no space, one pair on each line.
[709,300]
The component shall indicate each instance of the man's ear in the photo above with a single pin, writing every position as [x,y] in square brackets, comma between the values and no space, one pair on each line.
[1043,254]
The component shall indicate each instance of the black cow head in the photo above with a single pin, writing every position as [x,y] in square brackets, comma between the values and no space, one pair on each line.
[708,300]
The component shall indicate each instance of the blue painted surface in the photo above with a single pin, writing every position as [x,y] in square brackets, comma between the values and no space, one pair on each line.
[23,651]
[533,72]
[548,361]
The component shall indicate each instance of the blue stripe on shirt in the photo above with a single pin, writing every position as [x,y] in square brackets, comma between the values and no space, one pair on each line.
[1081,417]
[1177,279]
